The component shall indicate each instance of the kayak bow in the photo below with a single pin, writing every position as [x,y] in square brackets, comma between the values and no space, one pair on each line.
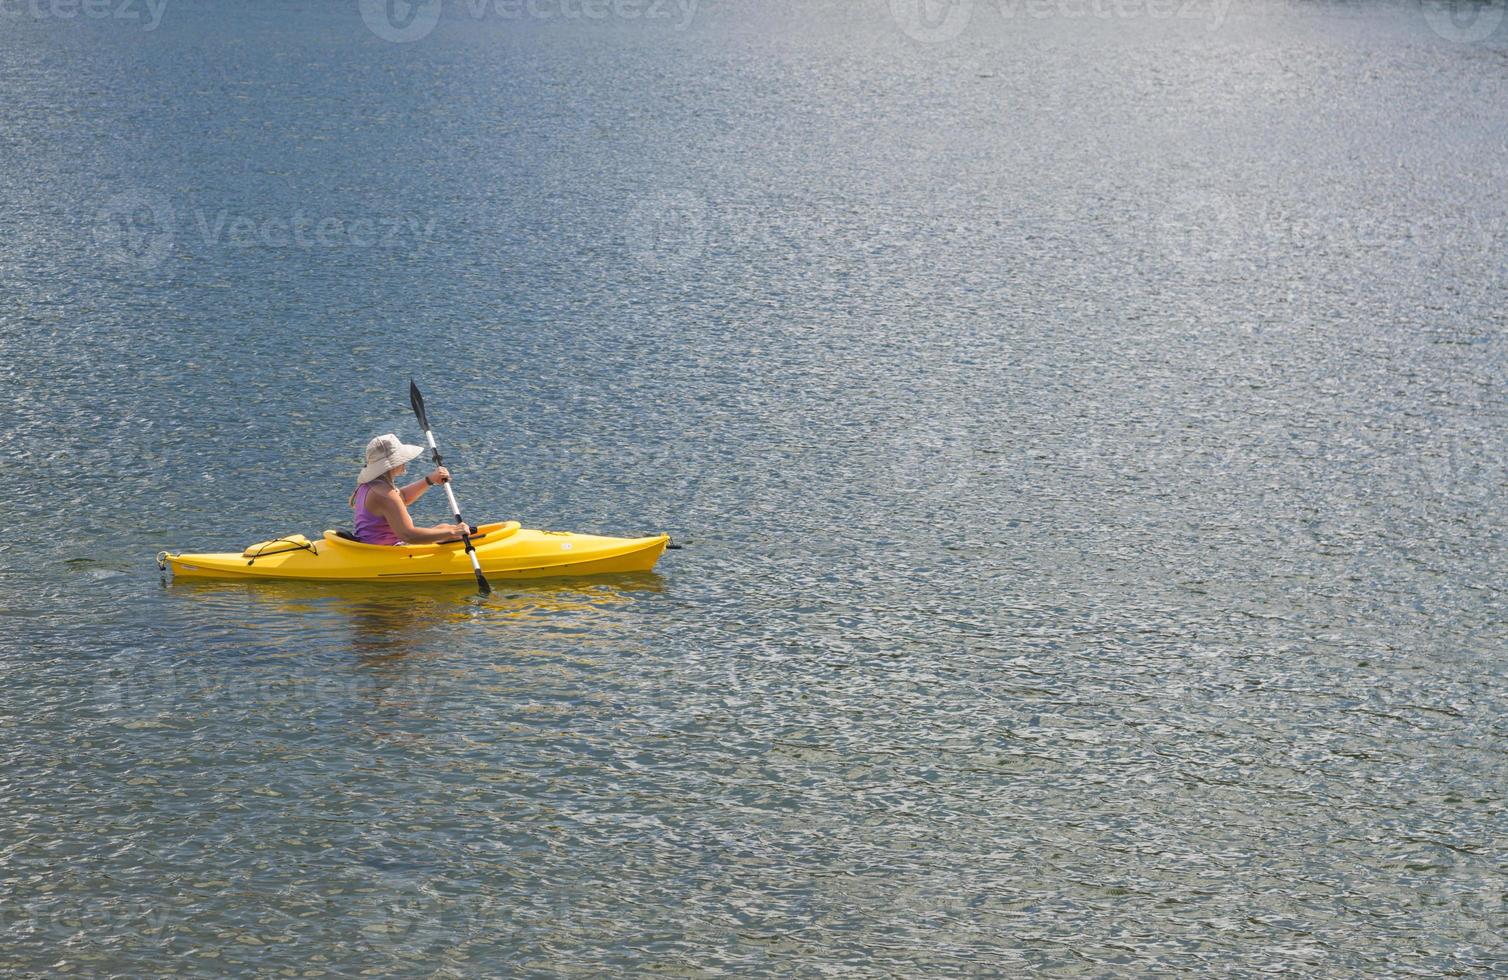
[503,550]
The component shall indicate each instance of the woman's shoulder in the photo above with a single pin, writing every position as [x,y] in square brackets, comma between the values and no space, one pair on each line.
[381,490]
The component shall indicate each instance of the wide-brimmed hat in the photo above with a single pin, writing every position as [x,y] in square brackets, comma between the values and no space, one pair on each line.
[384,453]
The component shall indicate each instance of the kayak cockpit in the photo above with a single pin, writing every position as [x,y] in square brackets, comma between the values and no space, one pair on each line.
[485,534]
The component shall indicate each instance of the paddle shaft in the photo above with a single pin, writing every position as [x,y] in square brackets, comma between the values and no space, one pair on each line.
[450,496]
[417,400]
[434,452]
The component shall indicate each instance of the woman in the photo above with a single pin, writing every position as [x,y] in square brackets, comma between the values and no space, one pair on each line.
[382,507]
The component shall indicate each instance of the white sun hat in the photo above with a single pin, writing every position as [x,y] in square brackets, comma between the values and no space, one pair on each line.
[384,453]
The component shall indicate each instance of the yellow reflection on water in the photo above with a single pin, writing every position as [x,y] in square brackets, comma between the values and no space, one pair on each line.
[387,621]
[399,661]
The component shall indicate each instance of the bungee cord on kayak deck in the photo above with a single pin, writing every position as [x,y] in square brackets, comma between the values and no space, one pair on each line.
[295,542]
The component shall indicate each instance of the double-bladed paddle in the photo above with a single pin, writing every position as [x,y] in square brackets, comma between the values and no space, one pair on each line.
[417,400]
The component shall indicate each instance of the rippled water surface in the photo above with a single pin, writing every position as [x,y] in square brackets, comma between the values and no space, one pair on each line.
[1086,434]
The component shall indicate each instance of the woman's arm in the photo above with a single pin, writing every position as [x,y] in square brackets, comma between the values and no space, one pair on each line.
[387,503]
[415,490]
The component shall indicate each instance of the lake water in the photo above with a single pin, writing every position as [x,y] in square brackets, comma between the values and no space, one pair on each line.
[1085,425]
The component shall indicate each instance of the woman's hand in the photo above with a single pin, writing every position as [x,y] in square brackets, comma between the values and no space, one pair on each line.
[440,475]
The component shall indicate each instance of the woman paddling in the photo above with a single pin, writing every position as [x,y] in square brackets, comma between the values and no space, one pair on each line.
[382,506]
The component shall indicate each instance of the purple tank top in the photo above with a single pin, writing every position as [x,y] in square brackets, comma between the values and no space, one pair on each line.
[371,529]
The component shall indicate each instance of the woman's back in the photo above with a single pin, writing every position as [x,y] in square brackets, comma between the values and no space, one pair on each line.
[371,528]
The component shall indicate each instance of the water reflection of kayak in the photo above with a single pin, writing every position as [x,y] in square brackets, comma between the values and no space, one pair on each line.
[505,550]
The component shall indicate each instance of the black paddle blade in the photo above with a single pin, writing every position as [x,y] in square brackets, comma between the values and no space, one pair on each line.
[417,400]
[481,584]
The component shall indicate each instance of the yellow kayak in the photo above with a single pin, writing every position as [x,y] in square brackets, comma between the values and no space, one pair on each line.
[505,550]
